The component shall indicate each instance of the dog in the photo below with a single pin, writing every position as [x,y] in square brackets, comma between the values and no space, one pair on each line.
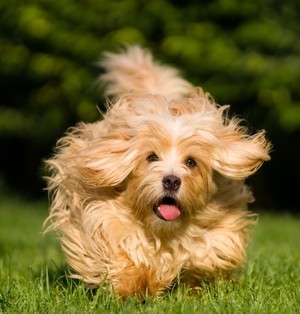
[154,192]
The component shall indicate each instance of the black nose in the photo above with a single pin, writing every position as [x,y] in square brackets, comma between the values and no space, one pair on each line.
[171,183]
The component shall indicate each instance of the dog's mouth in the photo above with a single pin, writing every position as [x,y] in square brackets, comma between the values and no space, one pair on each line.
[167,209]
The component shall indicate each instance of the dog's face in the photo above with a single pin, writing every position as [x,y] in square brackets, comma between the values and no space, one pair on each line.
[163,164]
[171,179]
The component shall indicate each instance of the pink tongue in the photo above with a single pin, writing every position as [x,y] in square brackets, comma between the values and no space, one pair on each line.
[169,212]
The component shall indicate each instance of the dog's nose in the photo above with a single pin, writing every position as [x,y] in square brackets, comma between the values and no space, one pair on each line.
[171,183]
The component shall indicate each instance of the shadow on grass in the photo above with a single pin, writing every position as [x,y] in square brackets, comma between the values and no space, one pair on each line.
[52,274]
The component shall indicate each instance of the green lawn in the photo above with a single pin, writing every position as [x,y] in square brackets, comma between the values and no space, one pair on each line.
[33,275]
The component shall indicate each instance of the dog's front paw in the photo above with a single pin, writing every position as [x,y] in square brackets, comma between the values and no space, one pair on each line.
[139,282]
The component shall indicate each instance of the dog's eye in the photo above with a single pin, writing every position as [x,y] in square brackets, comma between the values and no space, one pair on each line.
[191,163]
[152,157]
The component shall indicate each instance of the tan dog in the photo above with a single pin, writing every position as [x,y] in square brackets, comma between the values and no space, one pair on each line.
[154,191]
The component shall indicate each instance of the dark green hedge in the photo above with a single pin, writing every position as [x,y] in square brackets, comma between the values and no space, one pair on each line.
[246,53]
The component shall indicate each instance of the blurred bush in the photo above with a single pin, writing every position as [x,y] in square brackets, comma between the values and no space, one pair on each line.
[246,53]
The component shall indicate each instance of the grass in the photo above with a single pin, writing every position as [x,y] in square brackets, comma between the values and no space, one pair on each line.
[33,274]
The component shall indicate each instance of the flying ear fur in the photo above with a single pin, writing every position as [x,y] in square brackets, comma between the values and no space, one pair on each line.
[106,164]
[91,159]
[240,155]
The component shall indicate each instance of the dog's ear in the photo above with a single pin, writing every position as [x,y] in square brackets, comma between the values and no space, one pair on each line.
[107,162]
[239,155]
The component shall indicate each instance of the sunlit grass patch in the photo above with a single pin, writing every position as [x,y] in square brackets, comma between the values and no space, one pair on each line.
[34,276]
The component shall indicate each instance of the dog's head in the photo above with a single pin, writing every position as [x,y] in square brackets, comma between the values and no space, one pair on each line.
[164,164]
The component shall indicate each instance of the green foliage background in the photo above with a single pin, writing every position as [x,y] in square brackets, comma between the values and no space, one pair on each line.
[246,53]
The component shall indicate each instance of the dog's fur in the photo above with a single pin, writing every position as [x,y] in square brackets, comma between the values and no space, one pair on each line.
[161,137]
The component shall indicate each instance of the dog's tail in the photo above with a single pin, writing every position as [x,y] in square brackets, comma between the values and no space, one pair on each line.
[134,70]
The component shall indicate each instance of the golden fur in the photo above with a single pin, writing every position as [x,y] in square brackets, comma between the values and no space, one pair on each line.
[108,183]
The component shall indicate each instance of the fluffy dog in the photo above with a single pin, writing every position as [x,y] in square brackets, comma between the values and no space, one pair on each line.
[155,190]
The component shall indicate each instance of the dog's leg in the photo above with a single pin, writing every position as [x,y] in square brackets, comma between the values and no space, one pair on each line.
[138,281]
